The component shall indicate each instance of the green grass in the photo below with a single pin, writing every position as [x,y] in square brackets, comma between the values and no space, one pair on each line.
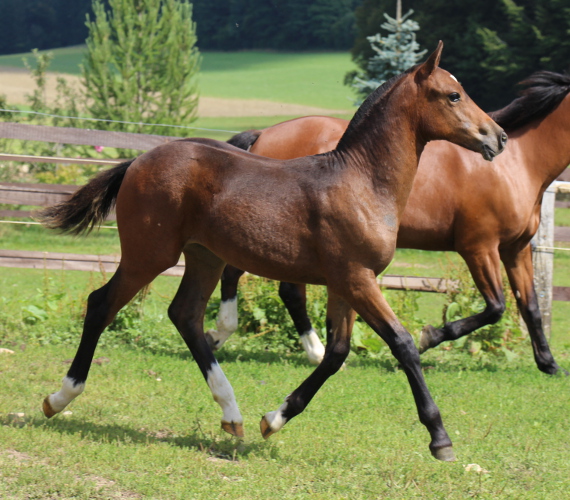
[132,436]
[66,60]
[312,79]
[309,78]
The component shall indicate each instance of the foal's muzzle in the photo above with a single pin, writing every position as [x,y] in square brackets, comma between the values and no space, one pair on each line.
[493,144]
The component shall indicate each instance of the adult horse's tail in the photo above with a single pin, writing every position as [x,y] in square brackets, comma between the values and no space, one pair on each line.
[244,140]
[89,205]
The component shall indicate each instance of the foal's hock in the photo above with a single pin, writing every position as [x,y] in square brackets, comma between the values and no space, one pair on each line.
[335,223]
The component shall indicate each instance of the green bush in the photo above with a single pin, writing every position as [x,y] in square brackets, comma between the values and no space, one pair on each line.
[466,300]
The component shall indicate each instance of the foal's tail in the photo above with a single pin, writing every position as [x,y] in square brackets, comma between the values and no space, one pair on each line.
[89,206]
[244,140]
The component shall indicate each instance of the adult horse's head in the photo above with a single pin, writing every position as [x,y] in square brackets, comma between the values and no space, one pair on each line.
[458,119]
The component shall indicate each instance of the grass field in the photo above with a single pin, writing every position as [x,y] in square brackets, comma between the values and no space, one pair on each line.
[311,78]
[146,427]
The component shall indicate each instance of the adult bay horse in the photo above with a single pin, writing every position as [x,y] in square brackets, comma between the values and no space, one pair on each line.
[330,219]
[488,213]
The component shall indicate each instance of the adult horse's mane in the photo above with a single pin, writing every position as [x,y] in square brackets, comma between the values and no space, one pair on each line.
[364,110]
[545,91]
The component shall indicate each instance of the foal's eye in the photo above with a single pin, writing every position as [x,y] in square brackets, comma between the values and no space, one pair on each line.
[454,97]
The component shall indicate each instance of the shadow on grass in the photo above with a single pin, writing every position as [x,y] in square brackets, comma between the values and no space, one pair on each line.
[237,354]
[436,360]
[221,447]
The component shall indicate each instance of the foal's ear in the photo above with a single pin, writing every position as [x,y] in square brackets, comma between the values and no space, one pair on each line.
[427,68]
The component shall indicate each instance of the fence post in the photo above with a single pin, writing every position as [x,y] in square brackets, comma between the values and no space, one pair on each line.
[543,258]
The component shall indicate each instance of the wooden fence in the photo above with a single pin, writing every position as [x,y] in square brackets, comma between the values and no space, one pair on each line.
[42,195]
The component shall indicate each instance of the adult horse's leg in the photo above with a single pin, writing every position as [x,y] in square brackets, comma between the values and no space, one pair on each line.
[366,298]
[485,268]
[340,318]
[294,297]
[518,265]
[203,270]
[227,322]
[102,306]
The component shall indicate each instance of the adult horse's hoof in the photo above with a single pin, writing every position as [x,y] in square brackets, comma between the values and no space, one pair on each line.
[444,454]
[233,428]
[210,339]
[265,428]
[48,410]
[427,337]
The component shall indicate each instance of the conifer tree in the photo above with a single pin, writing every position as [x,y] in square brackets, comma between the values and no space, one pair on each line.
[141,65]
[393,54]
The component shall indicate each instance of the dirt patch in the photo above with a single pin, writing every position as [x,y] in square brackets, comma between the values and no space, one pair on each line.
[16,84]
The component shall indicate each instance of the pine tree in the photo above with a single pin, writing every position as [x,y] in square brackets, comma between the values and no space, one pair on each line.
[141,65]
[393,54]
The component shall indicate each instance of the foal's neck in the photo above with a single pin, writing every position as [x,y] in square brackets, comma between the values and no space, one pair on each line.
[385,144]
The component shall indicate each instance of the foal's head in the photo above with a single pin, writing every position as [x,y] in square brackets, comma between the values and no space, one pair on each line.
[448,113]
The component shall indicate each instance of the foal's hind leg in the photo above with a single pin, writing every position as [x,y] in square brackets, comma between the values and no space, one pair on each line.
[227,322]
[203,270]
[295,299]
[520,272]
[102,306]
[485,267]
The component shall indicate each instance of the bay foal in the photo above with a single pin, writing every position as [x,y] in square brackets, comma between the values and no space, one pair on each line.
[488,213]
[330,219]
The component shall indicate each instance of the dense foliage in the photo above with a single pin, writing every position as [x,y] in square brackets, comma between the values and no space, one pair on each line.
[222,24]
[285,25]
[489,45]
[42,24]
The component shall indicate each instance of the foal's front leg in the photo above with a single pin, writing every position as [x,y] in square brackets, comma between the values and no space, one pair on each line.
[340,318]
[370,304]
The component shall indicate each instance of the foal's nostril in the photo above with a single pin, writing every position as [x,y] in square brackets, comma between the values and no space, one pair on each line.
[503,139]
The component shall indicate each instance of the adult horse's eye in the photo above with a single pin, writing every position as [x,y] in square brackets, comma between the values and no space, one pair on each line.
[454,97]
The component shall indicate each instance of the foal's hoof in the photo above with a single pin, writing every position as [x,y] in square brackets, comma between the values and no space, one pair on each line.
[426,338]
[265,428]
[233,428]
[444,454]
[48,410]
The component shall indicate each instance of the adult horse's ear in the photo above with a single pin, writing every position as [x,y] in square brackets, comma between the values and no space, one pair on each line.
[427,68]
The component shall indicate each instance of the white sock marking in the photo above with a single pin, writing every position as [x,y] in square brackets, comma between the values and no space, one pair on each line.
[313,346]
[223,394]
[227,322]
[275,419]
[69,391]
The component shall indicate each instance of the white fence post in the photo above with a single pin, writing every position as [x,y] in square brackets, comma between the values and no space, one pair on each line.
[543,258]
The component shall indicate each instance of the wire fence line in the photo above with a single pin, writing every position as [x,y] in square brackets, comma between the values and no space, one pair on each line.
[83,118]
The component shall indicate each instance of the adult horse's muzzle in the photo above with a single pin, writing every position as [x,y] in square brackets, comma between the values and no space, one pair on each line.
[493,144]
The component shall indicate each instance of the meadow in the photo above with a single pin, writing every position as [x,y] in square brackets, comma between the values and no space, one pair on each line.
[146,426]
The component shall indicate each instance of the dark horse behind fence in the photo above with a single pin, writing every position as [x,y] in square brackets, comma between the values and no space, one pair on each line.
[330,219]
[488,213]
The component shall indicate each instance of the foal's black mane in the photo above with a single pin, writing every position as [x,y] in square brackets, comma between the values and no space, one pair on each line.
[365,108]
[545,91]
